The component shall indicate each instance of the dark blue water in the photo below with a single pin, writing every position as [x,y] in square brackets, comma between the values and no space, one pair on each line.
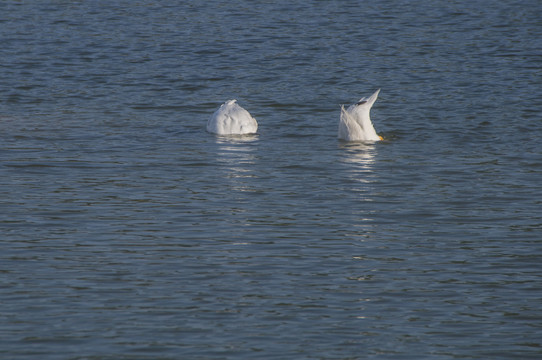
[128,232]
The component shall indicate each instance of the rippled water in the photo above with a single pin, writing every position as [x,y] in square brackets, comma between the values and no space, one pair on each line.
[128,232]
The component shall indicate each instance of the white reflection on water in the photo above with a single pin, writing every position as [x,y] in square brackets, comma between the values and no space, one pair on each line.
[237,154]
[359,173]
[360,158]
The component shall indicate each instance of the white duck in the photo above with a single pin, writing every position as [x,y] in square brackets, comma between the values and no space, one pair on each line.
[355,123]
[232,119]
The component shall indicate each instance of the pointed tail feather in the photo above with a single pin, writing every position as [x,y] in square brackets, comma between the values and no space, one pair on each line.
[371,100]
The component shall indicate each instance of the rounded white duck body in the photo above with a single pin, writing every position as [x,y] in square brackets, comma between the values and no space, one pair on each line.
[232,119]
[355,123]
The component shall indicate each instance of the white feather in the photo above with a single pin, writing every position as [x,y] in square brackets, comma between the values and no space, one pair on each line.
[232,119]
[355,123]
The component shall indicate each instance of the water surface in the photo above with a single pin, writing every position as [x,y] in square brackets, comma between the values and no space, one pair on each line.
[128,232]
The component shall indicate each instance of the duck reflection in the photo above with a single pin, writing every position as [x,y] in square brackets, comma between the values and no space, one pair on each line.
[237,155]
[359,158]
[359,177]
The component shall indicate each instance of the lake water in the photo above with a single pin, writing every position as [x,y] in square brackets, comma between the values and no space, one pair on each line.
[129,232]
